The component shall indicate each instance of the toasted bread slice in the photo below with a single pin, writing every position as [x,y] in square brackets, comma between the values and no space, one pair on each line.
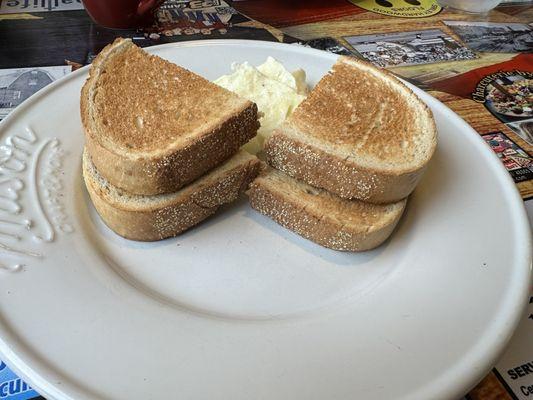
[326,219]
[156,217]
[151,126]
[360,134]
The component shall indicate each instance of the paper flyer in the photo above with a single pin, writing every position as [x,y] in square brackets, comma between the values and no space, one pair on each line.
[14,388]
[515,368]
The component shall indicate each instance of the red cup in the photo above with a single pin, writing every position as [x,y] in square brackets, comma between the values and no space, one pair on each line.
[122,14]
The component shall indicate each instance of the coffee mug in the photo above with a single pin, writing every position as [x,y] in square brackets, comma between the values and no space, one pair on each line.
[122,14]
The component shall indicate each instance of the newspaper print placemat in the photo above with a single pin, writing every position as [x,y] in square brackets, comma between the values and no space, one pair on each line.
[466,62]
[26,6]
[17,84]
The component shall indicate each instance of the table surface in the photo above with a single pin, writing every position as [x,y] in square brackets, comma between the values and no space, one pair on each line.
[466,61]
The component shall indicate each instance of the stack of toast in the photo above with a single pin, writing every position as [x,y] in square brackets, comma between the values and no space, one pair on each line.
[162,148]
[162,151]
[343,164]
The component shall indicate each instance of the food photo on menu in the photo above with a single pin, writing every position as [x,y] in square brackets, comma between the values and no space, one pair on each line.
[511,99]
[266,199]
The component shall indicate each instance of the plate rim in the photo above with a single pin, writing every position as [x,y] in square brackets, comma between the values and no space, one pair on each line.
[465,377]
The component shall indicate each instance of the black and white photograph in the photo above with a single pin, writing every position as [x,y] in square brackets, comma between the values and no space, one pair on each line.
[494,37]
[328,44]
[410,48]
[17,84]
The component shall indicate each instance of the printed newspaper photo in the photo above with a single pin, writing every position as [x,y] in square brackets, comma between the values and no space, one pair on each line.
[17,84]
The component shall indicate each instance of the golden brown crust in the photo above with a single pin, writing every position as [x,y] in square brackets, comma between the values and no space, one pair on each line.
[170,217]
[147,143]
[171,172]
[289,205]
[343,177]
[360,111]
[361,134]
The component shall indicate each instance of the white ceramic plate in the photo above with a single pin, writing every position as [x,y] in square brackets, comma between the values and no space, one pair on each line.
[239,308]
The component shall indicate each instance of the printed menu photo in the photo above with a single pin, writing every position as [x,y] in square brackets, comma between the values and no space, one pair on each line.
[515,159]
[409,48]
[329,44]
[494,37]
[188,18]
[499,98]
[17,84]
[505,89]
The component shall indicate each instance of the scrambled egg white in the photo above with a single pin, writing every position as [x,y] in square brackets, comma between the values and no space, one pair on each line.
[275,90]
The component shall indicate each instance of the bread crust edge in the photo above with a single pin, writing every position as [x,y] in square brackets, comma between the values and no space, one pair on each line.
[340,176]
[170,220]
[322,231]
[170,172]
